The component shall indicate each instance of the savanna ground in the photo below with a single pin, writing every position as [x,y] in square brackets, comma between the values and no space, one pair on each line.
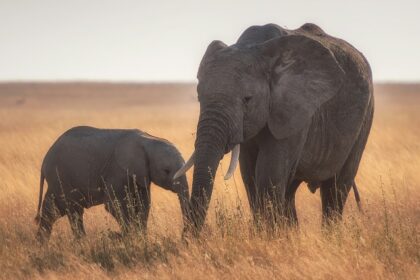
[381,243]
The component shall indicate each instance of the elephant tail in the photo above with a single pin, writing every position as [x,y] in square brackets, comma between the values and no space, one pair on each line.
[357,197]
[41,191]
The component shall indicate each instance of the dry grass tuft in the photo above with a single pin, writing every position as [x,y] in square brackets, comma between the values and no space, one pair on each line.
[381,243]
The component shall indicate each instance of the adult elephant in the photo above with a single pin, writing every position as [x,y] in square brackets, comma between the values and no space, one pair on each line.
[294,106]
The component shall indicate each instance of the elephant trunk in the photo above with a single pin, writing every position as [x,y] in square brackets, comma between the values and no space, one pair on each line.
[184,197]
[210,146]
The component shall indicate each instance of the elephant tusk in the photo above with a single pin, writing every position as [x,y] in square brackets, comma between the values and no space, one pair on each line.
[185,167]
[234,159]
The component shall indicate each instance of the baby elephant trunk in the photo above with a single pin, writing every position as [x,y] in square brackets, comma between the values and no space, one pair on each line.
[183,196]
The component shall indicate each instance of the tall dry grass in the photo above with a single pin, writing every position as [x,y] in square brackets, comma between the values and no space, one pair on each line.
[381,243]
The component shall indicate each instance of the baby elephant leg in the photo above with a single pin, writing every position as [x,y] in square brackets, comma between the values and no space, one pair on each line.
[75,215]
[131,214]
[143,207]
[49,215]
[119,212]
[129,205]
[115,203]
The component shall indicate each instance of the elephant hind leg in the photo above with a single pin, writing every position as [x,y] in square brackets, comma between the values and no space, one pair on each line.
[50,213]
[291,215]
[334,191]
[333,196]
[75,216]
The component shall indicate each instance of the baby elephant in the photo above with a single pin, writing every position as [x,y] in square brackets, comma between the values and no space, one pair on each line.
[88,166]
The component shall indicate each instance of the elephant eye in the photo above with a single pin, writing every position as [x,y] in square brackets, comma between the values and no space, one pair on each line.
[247,99]
[166,171]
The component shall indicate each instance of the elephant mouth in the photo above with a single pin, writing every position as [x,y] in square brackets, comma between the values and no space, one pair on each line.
[229,147]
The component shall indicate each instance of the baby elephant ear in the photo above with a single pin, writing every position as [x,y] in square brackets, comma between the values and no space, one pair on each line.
[304,75]
[212,49]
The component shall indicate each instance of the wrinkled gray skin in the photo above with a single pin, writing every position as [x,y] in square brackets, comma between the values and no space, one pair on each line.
[299,103]
[87,166]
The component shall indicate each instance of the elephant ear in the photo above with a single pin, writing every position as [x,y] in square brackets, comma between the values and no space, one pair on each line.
[304,75]
[212,49]
[130,156]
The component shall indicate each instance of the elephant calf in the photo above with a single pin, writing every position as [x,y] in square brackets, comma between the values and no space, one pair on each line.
[88,166]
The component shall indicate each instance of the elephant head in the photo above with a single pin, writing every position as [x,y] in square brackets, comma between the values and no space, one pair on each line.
[164,160]
[277,84]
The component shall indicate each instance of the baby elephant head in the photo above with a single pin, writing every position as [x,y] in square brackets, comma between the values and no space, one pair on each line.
[164,161]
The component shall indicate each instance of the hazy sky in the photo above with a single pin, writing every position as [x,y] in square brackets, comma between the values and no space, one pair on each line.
[165,40]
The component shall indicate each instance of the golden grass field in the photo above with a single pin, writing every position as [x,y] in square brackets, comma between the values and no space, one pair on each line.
[381,243]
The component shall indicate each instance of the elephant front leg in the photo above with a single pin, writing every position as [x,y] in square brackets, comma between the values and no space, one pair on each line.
[116,205]
[271,187]
[143,207]
[119,212]
[275,169]
[248,159]
[75,215]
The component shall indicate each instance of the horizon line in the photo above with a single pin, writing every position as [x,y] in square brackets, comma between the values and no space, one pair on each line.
[157,82]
